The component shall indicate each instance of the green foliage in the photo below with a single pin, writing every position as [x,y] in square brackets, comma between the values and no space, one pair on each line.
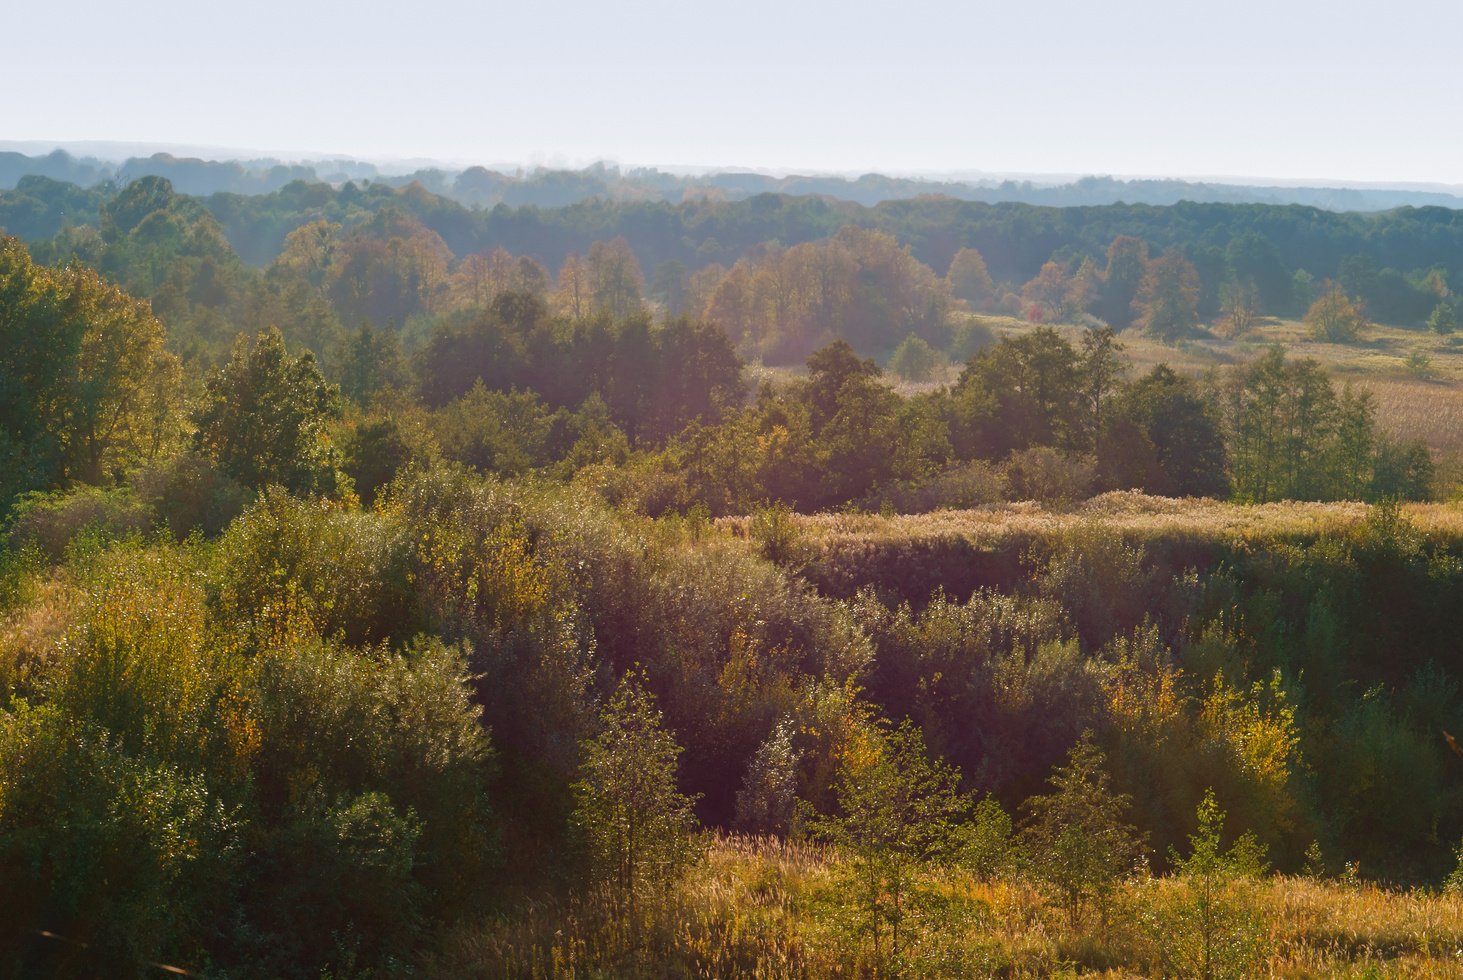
[897,812]
[1442,320]
[639,828]
[135,856]
[52,521]
[1334,317]
[776,533]
[1419,364]
[261,697]
[264,414]
[969,337]
[374,770]
[1386,782]
[1102,582]
[1454,881]
[496,432]
[163,798]
[1207,925]
[1293,438]
[88,389]
[1022,392]
[969,280]
[288,565]
[1047,476]
[1077,841]
[1402,471]
[767,801]
[1160,435]
[915,360]
[990,852]
[1003,658]
[188,492]
[1168,297]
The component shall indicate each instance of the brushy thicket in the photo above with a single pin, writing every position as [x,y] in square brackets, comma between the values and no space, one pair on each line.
[334,734]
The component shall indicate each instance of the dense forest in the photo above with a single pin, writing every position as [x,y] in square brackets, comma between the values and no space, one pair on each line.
[392,587]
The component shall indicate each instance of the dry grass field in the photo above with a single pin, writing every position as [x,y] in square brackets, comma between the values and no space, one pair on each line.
[1412,402]
[757,908]
[1134,516]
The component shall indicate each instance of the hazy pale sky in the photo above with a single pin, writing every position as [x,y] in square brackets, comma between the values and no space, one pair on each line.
[1280,89]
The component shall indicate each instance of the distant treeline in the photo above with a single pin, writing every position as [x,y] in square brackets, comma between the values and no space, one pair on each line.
[544,187]
[1382,259]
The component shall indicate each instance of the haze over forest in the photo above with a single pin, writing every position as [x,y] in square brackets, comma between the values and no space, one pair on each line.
[201,171]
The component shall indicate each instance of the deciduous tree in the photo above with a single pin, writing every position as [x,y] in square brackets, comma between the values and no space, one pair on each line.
[1334,317]
[1168,297]
[637,824]
[263,417]
[898,812]
[1080,843]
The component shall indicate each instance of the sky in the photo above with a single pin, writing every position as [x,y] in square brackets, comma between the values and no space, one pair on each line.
[1284,89]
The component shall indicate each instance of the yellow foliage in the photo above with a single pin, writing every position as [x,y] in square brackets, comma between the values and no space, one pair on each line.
[1264,740]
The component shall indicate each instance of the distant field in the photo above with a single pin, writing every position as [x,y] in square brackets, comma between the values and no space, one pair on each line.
[1409,406]
[958,551]
[1134,515]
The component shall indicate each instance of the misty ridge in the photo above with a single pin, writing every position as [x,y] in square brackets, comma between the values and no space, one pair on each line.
[551,187]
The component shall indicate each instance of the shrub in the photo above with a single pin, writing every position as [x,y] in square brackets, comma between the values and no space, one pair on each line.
[189,492]
[135,858]
[378,758]
[1334,317]
[1105,584]
[51,521]
[915,360]
[974,483]
[1049,476]
[969,337]
[776,533]
[289,566]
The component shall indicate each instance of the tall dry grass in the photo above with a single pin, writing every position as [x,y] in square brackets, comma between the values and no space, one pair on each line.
[757,908]
[1134,515]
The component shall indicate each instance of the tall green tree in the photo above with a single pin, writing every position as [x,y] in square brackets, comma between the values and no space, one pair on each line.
[264,416]
[1164,437]
[898,812]
[1102,374]
[1292,437]
[638,826]
[87,389]
[1025,391]
[1080,843]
